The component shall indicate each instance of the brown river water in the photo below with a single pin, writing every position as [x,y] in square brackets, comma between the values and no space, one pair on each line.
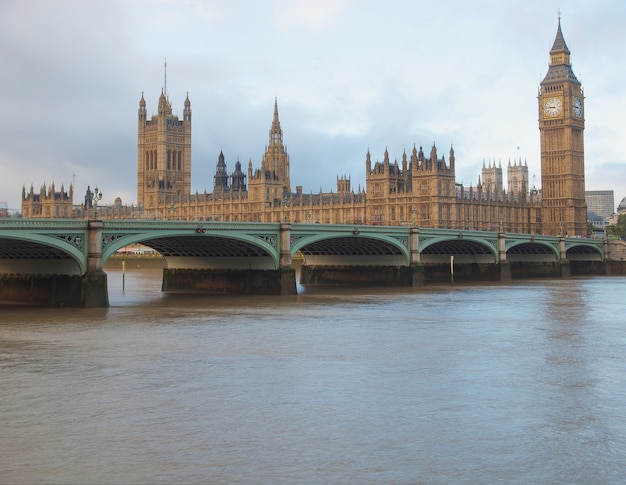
[523,382]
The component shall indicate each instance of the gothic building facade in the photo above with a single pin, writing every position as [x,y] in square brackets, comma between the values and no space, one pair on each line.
[48,202]
[164,155]
[420,189]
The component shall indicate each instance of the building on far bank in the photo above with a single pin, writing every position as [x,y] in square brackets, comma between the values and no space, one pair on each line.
[48,203]
[418,188]
[600,207]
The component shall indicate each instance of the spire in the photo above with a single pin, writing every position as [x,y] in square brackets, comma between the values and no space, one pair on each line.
[221,163]
[276,134]
[559,42]
[187,109]
[560,69]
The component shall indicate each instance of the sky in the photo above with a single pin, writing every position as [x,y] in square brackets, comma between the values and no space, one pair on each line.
[348,75]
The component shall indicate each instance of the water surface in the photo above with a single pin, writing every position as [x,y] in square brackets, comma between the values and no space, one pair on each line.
[513,383]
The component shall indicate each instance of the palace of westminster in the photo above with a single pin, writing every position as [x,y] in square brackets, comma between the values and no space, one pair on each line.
[419,190]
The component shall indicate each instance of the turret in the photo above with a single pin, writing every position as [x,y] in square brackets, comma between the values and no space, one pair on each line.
[142,109]
[187,109]
[238,179]
[221,177]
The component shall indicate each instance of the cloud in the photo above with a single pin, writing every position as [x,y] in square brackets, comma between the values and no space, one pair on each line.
[314,14]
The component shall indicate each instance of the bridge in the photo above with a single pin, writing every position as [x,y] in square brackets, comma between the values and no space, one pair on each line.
[59,262]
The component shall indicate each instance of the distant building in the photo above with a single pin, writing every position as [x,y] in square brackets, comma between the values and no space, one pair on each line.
[600,206]
[621,209]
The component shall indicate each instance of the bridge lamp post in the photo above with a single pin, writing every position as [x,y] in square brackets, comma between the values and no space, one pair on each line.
[285,204]
[97,197]
[561,224]
[172,210]
[501,221]
[414,213]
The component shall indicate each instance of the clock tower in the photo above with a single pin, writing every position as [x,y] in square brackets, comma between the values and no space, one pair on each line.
[561,126]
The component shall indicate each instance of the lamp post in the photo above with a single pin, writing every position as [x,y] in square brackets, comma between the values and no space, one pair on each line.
[97,197]
[172,210]
[285,204]
[501,221]
[414,213]
[561,224]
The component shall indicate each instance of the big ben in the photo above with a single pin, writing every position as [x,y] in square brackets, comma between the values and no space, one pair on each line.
[561,126]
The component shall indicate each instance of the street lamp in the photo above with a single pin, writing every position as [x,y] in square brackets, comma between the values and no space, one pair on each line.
[414,213]
[97,197]
[172,210]
[561,224]
[285,204]
[501,220]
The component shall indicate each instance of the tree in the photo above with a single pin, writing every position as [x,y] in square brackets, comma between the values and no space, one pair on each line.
[619,229]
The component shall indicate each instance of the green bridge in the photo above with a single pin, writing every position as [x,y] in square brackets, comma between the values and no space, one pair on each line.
[59,262]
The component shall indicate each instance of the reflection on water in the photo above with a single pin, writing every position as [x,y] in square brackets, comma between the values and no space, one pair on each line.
[513,383]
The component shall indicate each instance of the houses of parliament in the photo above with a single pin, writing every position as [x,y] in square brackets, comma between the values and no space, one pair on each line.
[418,190]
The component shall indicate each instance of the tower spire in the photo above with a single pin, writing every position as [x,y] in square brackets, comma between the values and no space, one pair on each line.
[276,133]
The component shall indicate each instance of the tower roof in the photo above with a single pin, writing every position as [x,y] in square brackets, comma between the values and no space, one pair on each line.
[560,69]
[559,42]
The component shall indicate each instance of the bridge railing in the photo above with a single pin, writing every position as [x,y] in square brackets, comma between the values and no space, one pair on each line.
[192,225]
[43,223]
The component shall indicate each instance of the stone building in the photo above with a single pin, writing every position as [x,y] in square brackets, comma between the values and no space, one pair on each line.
[47,203]
[164,155]
[420,189]
[561,126]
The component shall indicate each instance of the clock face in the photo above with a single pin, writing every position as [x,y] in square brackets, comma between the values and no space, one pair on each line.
[578,107]
[552,106]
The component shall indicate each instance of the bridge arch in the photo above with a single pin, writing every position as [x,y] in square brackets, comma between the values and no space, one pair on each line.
[438,249]
[582,251]
[24,253]
[203,248]
[352,248]
[518,251]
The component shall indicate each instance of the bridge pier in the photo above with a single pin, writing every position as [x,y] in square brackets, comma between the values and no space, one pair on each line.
[505,271]
[286,271]
[505,267]
[94,292]
[334,275]
[230,281]
[41,290]
[417,268]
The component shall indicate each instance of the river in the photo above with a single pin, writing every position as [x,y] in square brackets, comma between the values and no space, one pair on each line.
[523,382]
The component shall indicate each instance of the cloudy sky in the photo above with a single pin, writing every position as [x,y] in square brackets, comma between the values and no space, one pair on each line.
[349,75]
